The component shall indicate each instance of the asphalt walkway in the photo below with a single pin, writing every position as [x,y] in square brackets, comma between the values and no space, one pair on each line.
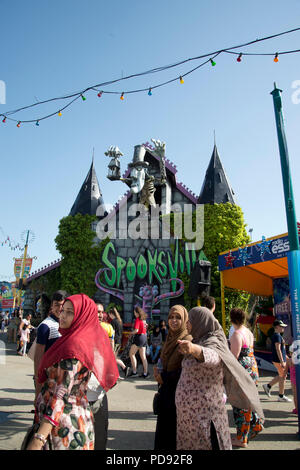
[131,420]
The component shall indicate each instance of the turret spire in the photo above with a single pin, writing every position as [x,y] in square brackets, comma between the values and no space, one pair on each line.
[216,188]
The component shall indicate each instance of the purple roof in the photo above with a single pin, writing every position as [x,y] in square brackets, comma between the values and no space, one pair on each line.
[44,270]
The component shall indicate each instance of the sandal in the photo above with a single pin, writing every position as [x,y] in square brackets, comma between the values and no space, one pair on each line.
[237,443]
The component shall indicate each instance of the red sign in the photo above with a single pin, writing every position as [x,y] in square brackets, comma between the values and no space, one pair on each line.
[7,303]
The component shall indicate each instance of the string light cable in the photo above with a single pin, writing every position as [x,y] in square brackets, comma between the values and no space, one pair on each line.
[7,240]
[100,88]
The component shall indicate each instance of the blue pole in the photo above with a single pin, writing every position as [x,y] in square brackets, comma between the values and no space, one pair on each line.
[293,256]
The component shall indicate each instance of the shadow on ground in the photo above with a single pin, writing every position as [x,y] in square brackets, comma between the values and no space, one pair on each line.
[122,440]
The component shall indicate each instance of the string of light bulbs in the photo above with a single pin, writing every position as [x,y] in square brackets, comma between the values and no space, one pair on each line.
[8,241]
[6,276]
[100,90]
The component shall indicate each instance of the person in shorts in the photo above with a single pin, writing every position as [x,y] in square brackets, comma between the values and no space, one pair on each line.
[139,342]
[279,361]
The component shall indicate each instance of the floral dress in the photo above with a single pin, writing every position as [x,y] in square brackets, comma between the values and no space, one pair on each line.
[64,403]
[248,423]
[199,404]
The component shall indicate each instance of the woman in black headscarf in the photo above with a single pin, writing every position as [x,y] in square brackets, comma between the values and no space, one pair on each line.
[168,376]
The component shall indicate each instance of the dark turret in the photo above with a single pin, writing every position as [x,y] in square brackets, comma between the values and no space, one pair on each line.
[89,196]
[216,188]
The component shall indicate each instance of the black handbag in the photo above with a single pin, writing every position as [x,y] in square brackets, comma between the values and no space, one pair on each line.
[156,403]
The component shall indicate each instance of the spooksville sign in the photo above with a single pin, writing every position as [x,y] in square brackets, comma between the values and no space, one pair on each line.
[153,267]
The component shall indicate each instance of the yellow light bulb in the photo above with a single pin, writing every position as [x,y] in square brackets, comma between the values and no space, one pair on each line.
[181,80]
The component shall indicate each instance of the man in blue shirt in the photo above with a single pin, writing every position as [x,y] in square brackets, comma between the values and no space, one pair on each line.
[47,333]
[279,361]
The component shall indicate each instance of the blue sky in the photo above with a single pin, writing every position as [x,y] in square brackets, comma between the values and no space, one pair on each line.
[51,48]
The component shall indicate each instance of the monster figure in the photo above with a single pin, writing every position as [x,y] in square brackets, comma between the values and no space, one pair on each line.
[114,168]
[147,295]
[140,180]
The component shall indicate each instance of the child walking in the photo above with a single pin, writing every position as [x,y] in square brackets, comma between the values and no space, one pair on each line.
[25,332]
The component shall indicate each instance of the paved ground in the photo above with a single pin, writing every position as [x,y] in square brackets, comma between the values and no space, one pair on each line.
[131,421]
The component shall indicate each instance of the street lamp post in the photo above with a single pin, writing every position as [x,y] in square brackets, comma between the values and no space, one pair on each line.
[293,256]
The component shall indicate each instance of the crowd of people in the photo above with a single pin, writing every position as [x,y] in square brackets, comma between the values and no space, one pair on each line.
[77,360]
[201,370]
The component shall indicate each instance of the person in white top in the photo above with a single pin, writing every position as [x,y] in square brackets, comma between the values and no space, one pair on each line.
[25,321]
[25,332]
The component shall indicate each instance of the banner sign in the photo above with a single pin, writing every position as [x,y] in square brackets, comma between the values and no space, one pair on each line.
[7,303]
[28,264]
[154,266]
[8,292]
[282,305]
[18,267]
[266,250]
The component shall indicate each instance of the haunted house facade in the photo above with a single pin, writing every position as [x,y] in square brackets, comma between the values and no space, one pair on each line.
[145,271]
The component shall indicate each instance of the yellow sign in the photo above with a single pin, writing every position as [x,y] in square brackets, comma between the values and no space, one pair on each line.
[18,267]
[28,264]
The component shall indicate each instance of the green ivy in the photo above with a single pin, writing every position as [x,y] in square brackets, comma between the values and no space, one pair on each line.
[224,229]
[81,256]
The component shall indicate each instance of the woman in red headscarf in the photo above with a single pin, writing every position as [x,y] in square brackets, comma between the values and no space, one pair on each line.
[62,410]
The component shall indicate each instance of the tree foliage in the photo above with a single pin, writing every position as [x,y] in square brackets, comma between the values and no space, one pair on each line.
[81,256]
[224,229]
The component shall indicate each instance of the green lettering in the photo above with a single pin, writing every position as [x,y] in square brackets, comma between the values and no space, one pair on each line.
[105,260]
[131,270]
[202,256]
[142,267]
[173,268]
[193,253]
[187,259]
[121,263]
[152,267]
[163,270]
[181,264]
